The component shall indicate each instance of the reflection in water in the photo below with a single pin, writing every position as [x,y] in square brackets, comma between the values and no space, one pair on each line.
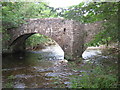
[33,69]
[39,69]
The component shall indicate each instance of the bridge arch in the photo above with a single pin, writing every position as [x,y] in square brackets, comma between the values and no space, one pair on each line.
[68,34]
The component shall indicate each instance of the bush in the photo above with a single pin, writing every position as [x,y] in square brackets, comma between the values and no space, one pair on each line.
[96,78]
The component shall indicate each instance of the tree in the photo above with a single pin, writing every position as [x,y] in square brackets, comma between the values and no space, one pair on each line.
[97,11]
[15,13]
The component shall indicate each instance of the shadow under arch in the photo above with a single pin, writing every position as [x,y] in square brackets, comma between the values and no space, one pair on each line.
[18,45]
[69,34]
[22,37]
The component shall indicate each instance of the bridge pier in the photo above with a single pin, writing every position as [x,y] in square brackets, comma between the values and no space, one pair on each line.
[69,34]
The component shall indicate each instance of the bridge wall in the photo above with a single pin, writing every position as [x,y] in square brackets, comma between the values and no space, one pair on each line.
[67,33]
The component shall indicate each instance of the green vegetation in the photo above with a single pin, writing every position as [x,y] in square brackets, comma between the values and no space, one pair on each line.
[96,78]
[9,84]
[38,39]
[15,13]
[97,73]
[94,75]
[107,12]
[103,74]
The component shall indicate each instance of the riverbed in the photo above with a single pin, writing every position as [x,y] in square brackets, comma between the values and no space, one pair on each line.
[46,68]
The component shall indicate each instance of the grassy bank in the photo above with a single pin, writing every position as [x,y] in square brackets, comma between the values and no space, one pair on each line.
[38,41]
[97,75]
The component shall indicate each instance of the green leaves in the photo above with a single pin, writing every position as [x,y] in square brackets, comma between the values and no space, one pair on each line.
[97,11]
[97,78]
[14,13]
[10,14]
[36,39]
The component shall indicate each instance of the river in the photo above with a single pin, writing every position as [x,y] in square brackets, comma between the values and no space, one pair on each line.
[40,69]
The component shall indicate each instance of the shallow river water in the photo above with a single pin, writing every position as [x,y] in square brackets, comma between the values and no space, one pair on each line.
[39,69]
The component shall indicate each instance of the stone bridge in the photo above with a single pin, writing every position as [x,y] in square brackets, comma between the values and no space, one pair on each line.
[69,34]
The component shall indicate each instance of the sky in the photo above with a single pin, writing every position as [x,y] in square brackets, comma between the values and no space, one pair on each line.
[63,3]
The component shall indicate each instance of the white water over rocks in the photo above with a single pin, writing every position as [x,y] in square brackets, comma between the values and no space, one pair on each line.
[53,52]
[89,53]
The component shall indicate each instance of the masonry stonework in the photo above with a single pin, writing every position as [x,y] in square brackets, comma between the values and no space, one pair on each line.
[69,34]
